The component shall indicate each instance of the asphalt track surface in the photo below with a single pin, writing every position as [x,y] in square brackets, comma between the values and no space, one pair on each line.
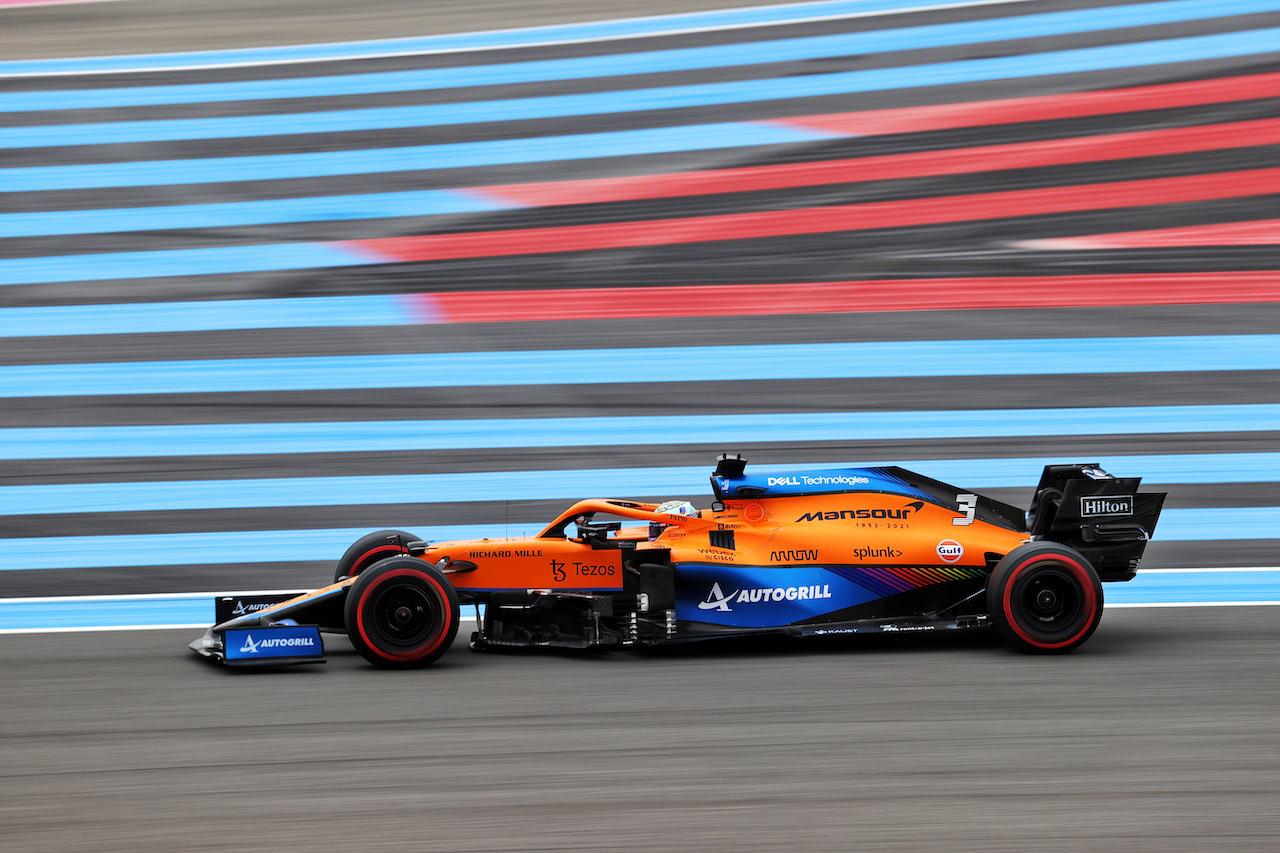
[1157,735]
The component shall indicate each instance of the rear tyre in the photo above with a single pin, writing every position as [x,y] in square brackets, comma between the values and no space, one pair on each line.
[1045,598]
[401,613]
[369,549]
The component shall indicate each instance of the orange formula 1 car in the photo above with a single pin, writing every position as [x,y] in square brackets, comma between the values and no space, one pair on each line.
[803,553]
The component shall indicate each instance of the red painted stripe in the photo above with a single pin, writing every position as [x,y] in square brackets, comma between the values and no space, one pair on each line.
[825,220]
[1021,155]
[847,297]
[1046,107]
[1264,232]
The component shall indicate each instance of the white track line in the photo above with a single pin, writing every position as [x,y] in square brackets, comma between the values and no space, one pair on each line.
[388,52]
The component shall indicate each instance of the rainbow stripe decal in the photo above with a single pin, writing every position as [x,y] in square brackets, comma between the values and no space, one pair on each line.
[890,580]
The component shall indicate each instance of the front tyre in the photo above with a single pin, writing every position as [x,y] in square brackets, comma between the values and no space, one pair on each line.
[1045,598]
[401,613]
[369,549]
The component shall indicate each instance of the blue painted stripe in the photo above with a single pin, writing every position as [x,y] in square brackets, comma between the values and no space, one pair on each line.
[221,260]
[644,27]
[328,544]
[1235,586]
[115,442]
[498,152]
[1012,357]
[1154,587]
[243,213]
[646,62]
[213,315]
[149,611]
[379,490]
[671,97]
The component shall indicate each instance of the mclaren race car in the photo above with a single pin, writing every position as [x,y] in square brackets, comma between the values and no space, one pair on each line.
[799,553]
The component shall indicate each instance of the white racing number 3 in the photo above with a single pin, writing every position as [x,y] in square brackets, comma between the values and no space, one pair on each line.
[968,505]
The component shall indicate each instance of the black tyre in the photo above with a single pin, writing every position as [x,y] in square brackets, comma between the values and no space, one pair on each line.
[401,613]
[1045,598]
[368,550]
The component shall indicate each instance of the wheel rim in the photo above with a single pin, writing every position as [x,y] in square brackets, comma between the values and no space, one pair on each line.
[404,615]
[1049,602]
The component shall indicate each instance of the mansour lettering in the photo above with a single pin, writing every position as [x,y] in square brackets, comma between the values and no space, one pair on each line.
[836,515]
[717,600]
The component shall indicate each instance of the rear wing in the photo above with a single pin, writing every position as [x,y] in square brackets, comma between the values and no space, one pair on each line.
[1103,517]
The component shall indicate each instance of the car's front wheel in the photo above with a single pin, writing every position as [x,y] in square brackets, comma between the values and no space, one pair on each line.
[1045,598]
[401,613]
[369,549]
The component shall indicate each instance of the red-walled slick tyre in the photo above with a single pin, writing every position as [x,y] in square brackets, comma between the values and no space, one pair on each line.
[401,613]
[1045,598]
[367,550]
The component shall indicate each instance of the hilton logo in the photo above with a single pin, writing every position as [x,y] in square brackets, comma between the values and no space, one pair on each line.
[1113,505]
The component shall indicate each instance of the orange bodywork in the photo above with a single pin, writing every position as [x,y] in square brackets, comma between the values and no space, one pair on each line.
[843,528]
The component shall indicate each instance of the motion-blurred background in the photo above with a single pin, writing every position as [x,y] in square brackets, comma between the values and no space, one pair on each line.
[259,300]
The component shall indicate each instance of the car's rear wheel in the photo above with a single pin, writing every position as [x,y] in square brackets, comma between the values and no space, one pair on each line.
[401,613]
[1045,598]
[367,550]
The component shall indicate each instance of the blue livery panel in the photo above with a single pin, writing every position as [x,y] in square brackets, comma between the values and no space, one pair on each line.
[756,597]
[273,644]
[817,481]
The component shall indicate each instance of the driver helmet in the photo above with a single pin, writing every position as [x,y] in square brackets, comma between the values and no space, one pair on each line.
[682,508]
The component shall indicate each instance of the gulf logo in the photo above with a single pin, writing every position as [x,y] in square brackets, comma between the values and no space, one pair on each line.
[950,551]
